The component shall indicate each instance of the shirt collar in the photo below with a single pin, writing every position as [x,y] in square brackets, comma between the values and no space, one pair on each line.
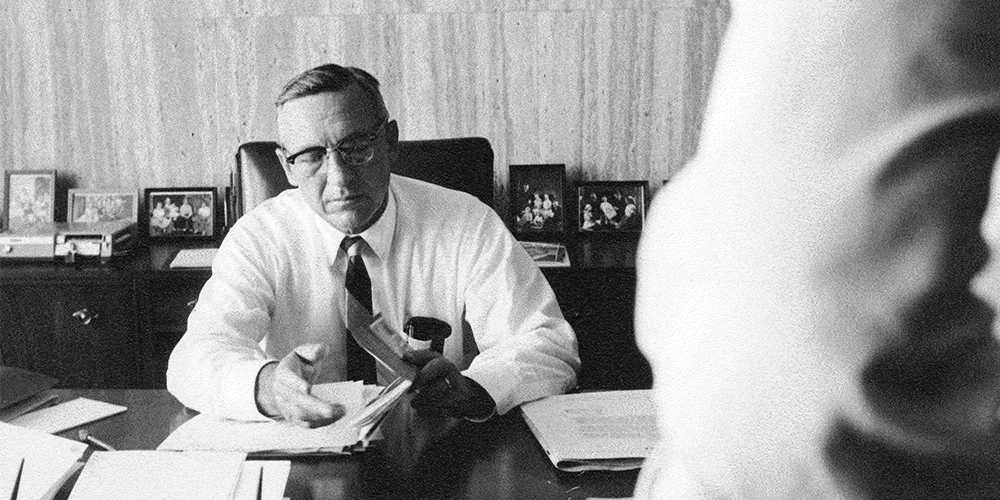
[378,236]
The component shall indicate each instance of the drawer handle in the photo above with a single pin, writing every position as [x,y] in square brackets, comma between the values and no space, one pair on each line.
[191,304]
[85,316]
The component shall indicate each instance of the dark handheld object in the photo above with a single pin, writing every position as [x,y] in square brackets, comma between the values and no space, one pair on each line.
[425,328]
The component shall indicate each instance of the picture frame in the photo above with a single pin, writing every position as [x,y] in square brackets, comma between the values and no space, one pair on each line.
[611,206]
[30,200]
[537,198]
[181,213]
[90,206]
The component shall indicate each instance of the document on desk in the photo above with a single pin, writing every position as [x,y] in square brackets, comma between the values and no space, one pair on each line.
[194,258]
[144,474]
[64,416]
[272,438]
[611,430]
[36,463]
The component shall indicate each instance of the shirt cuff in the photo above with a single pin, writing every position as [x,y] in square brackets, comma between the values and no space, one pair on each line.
[239,391]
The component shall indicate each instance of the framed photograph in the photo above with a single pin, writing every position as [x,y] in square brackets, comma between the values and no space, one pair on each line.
[536,198]
[31,197]
[181,213]
[91,206]
[611,206]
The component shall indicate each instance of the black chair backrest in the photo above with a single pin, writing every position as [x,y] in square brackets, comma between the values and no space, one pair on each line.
[464,164]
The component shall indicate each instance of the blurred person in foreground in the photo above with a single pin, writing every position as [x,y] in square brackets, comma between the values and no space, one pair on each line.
[815,294]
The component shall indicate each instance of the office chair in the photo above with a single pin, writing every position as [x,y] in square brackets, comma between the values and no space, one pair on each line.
[464,164]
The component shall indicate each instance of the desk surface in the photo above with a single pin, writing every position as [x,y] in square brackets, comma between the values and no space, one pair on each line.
[420,458]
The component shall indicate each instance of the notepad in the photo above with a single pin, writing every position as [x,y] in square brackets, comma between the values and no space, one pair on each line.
[68,415]
[194,257]
[48,462]
[610,430]
[155,475]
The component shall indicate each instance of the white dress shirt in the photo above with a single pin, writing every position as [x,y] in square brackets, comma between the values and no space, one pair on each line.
[278,282]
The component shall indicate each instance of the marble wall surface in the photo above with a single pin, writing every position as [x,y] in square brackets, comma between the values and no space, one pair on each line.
[123,94]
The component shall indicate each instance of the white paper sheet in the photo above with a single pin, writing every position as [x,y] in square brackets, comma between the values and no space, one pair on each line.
[48,462]
[68,415]
[158,475]
[194,257]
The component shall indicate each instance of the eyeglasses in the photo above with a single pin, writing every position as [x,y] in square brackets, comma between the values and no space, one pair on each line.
[355,150]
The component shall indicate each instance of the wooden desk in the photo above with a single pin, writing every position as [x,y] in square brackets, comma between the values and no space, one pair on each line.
[113,326]
[496,459]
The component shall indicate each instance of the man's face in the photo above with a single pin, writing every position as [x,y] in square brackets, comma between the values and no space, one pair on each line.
[349,197]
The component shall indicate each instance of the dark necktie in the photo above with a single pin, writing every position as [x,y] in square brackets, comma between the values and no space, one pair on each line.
[360,364]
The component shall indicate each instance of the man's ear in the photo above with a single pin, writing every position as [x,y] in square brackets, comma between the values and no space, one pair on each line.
[284,165]
[392,140]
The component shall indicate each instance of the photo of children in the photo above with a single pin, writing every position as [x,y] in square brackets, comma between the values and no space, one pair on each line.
[611,206]
[181,213]
[30,200]
[536,198]
[94,207]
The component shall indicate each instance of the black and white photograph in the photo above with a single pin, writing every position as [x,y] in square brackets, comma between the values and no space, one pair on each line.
[30,196]
[611,206]
[92,206]
[536,198]
[181,213]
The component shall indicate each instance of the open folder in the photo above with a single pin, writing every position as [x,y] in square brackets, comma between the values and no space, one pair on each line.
[611,430]
[364,406]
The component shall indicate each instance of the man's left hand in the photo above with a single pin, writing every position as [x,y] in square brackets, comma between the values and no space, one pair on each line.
[440,385]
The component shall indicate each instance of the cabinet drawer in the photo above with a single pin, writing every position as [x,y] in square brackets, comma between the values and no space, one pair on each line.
[171,301]
[85,334]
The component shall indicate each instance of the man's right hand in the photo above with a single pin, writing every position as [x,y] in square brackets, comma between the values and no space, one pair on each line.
[283,389]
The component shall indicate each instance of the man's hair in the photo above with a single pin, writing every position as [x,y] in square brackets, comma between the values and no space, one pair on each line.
[332,78]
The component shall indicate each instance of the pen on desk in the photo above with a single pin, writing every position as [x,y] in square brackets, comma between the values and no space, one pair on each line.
[91,440]
[17,481]
[260,483]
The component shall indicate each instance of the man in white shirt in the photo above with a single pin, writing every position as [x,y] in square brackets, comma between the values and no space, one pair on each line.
[271,320]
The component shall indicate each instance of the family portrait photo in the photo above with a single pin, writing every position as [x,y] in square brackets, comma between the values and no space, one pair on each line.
[536,198]
[185,213]
[616,206]
[91,207]
[30,200]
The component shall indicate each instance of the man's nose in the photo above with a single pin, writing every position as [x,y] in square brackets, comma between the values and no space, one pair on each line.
[336,170]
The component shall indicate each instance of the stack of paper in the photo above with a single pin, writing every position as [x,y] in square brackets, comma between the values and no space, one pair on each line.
[35,464]
[152,475]
[271,438]
[614,430]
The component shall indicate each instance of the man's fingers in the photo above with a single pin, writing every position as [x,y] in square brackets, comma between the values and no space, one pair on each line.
[419,357]
[311,353]
[434,369]
[306,410]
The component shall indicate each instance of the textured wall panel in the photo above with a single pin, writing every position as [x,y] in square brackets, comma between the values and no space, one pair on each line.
[124,94]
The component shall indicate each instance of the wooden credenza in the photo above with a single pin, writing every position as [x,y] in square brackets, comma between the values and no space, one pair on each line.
[114,325]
